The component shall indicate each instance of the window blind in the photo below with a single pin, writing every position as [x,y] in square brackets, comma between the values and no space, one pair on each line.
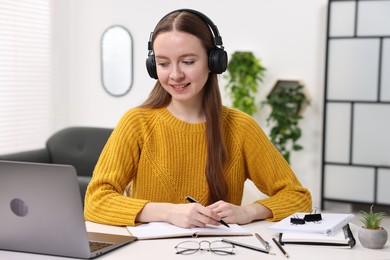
[25,74]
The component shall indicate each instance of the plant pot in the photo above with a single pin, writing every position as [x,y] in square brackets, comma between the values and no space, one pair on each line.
[372,238]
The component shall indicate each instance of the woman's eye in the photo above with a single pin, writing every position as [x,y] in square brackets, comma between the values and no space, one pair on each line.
[162,64]
[188,62]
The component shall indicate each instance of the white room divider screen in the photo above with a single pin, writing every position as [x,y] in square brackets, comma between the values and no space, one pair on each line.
[356,140]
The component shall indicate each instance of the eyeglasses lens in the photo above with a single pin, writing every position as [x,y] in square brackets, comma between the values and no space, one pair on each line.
[221,248]
[187,247]
[217,247]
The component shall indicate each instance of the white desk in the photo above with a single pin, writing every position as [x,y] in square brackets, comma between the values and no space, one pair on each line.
[164,248]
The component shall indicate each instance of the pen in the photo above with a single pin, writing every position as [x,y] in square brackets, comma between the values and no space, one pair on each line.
[192,200]
[246,246]
[265,243]
[280,247]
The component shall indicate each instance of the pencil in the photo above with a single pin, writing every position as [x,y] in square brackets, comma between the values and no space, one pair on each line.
[280,247]
[247,246]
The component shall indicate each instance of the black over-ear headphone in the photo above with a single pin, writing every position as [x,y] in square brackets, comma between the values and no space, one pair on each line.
[217,55]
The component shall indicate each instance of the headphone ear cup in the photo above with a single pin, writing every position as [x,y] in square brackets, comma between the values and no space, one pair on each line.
[218,60]
[151,66]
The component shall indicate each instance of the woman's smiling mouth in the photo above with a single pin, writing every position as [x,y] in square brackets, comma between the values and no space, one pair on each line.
[178,87]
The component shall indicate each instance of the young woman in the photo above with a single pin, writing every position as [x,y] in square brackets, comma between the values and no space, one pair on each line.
[183,142]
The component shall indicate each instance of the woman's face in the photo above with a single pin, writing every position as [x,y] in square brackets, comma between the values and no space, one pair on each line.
[182,65]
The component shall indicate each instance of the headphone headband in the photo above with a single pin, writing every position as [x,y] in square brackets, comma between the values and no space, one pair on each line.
[217,37]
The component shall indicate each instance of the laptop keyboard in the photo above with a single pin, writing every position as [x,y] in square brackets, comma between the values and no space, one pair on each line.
[95,245]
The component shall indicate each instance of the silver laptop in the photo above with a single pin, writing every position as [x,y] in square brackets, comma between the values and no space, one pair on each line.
[41,212]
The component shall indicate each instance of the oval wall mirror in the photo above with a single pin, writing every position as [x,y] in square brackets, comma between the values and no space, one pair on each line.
[116,60]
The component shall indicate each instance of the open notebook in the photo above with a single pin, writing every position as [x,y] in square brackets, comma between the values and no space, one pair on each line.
[157,230]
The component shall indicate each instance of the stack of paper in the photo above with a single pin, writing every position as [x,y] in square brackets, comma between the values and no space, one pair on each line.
[332,230]
[342,238]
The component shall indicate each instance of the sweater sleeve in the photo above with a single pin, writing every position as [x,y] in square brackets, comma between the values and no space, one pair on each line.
[116,167]
[271,173]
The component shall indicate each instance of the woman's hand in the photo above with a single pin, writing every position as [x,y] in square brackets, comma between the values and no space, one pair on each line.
[240,214]
[193,215]
[187,215]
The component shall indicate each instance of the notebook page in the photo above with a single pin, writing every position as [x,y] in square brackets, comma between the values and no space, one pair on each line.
[155,230]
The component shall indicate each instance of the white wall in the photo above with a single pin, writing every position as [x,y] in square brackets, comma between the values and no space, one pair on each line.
[288,37]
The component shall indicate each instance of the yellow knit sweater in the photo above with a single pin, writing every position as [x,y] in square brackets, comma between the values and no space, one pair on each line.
[165,160]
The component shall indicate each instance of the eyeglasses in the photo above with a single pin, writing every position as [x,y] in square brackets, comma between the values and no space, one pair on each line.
[217,247]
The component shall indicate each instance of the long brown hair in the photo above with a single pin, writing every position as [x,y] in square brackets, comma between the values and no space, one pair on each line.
[216,151]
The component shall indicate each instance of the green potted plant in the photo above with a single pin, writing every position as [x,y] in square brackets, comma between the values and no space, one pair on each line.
[287,101]
[372,234]
[244,74]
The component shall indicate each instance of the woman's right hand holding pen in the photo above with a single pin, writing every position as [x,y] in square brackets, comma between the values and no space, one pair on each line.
[242,214]
[188,215]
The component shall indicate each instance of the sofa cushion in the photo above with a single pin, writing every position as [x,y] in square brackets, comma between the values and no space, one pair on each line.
[78,146]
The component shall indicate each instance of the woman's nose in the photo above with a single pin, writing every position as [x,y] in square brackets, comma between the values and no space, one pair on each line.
[176,72]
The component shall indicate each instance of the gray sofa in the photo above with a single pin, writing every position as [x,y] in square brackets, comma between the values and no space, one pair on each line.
[77,146]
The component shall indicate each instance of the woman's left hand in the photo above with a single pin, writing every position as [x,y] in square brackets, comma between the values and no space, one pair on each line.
[240,214]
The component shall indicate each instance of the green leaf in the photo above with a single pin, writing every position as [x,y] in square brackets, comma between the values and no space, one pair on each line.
[245,73]
[371,219]
[286,104]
